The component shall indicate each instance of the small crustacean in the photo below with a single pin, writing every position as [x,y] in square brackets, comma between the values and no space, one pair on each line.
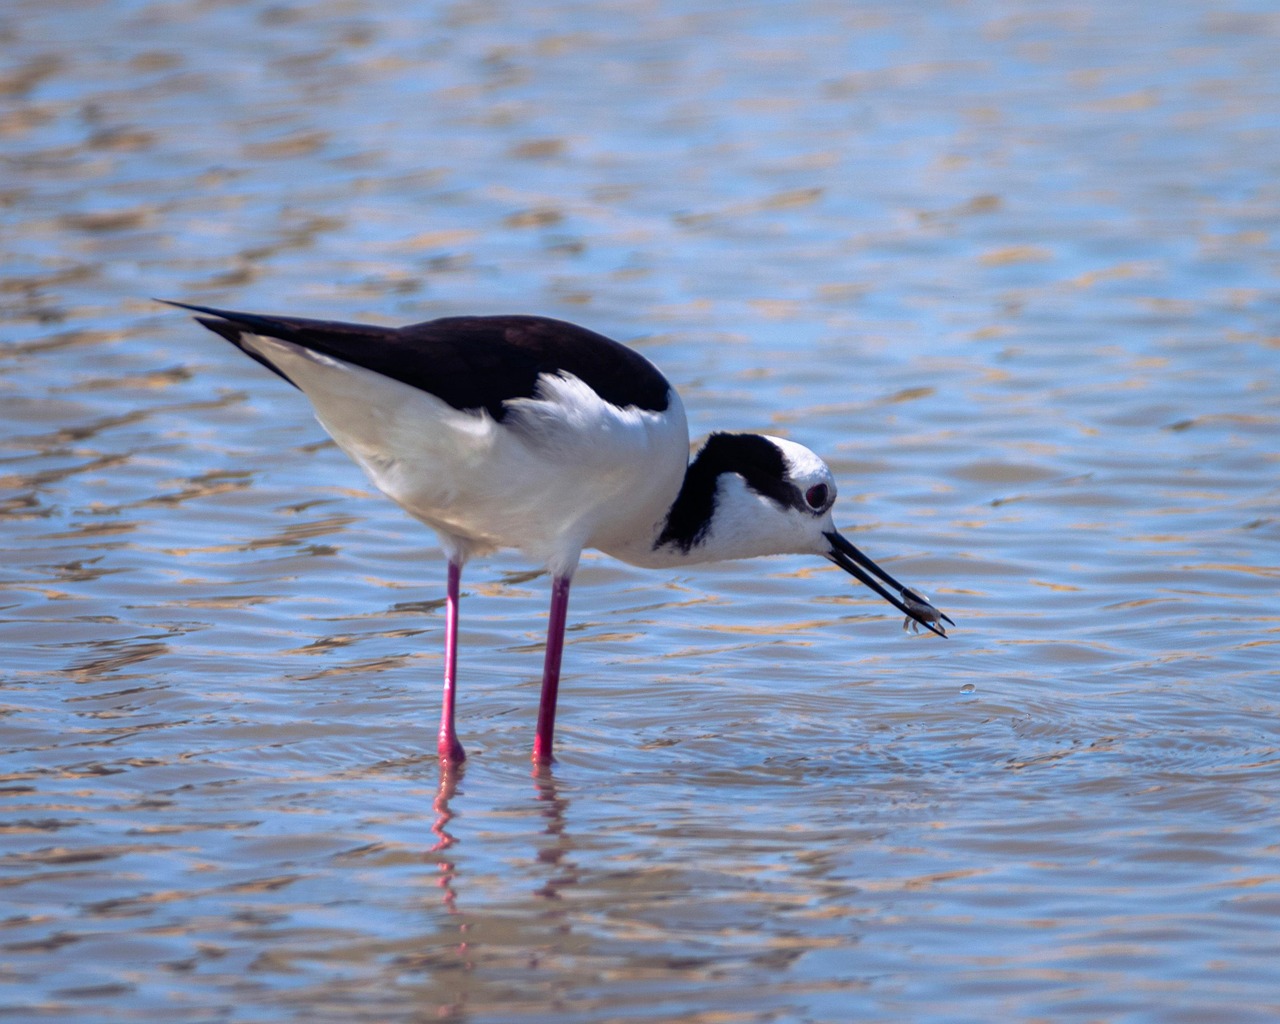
[921,611]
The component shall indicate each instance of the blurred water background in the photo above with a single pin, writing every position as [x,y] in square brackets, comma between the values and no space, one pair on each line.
[1012,267]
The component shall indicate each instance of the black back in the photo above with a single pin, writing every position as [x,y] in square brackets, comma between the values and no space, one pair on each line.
[470,362]
[756,459]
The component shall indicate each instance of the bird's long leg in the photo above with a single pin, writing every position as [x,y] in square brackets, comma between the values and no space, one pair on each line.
[451,751]
[551,670]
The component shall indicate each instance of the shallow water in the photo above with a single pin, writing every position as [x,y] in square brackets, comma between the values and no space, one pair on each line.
[1011,267]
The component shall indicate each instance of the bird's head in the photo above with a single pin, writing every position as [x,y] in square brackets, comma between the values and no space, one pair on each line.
[751,494]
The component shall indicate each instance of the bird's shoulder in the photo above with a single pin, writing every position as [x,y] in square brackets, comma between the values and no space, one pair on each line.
[485,361]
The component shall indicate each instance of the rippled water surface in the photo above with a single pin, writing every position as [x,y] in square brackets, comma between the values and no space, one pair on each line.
[1011,267]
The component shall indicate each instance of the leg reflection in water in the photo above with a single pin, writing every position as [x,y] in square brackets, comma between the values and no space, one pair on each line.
[449,777]
[552,853]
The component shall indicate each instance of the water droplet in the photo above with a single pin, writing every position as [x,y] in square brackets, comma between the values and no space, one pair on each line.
[968,688]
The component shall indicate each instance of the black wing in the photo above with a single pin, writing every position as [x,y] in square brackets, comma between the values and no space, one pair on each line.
[470,362]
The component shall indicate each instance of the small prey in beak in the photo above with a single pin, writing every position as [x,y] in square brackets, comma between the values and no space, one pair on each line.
[910,602]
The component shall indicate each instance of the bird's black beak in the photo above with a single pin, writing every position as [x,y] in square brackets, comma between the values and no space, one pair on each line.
[861,568]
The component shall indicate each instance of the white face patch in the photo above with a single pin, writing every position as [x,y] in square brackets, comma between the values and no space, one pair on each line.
[807,471]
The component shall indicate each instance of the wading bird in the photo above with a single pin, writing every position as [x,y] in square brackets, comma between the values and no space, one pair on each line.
[537,434]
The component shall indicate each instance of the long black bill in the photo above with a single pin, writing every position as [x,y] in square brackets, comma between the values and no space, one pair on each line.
[861,568]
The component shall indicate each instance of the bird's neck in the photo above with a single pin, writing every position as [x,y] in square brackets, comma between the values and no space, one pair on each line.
[713,517]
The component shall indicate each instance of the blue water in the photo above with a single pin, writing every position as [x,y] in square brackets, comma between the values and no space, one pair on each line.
[1010,268]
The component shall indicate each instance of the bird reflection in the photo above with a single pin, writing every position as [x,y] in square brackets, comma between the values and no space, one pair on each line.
[561,872]
[552,844]
[450,775]
[441,952]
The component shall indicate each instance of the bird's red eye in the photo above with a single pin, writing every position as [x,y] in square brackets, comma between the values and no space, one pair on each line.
[816,496]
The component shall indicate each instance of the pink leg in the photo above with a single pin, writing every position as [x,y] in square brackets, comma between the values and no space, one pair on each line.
[451,751]
[551,671]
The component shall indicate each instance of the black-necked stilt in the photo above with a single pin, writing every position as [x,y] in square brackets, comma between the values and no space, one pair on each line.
[537,434]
